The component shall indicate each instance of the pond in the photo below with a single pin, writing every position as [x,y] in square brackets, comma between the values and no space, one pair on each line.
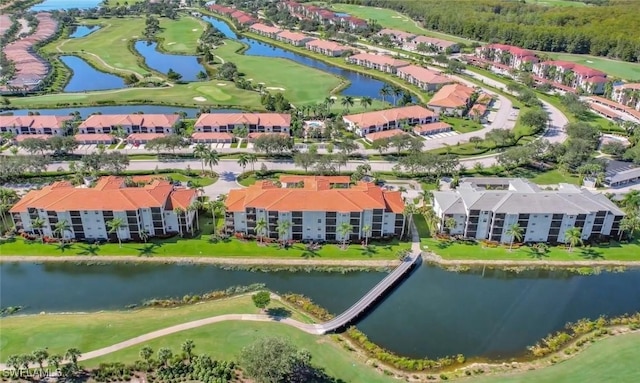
[119,109]
[87,78]
[361,85]
[50,5]
[83,30]
[485,313]
[187,66]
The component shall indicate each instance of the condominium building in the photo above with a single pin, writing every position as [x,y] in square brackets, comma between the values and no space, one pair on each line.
[433,44]
[129,123]
[627,95]
[423,78]
[294,38]
[265,30]
[370,122]
[504,56]
[40,125]
[571,76]
[152,208]
[485,208]
[378,62]
[327,48]
[452,99]
[396,36]
[254,122]
[315,208]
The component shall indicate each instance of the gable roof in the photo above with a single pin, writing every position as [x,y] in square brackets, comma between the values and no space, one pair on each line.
[424,75]
[39,121]
[382,117]
[452,96]
[143,120]
[263,119]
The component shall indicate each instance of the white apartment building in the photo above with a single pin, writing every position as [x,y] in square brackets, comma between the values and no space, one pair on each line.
[485,208]
[315,209]
[152,209]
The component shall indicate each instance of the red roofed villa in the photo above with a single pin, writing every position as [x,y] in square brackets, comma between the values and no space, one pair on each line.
[432,128]
[452,99]
[265,30]
[254,122]
[378,62]
[96,138]
[369,122]
[327,48]
[130,123]
[572,75]
[423,78]
[315,209]
[51,125]
[507,56]
[294,38]
[150,209]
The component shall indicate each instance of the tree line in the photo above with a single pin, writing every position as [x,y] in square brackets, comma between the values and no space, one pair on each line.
[612,29]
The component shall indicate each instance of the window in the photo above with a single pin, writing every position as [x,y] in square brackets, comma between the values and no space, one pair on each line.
[319,229]
[484,220]
[319,220]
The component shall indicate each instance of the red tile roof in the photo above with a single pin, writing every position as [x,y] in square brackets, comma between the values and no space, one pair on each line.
[265,28]
[109,194]
[424,75]
[433,41]
[381,60]
[139,137]
[382,117]
[142,120]
[515,51]
[102,137]
[212,136]
[40,121]
[293,36]
[363,196]
[576,68]
[22,137]
[605,111]
[286,179]
[397,33]
[261,119]
[452,96]
[384,134]
[328,45]
[432,127]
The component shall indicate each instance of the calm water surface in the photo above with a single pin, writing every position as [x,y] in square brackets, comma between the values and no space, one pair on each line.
[434,313]
[361,85]
[50,5]
[87,78]
[83,30]
[187,66]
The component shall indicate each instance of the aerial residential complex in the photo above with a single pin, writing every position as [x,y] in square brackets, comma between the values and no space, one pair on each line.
[315,208]
[152,208]
[253,122]
[485,208]
[370,122]
[29,125]
[129,123]
[452,99]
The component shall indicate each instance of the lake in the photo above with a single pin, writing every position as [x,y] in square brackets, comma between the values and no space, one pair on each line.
[492,314]
[50,5]
[83,30]
[187,66]
[87,78]
[361,85]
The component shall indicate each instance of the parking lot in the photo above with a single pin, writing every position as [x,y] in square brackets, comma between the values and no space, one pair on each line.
[440,135]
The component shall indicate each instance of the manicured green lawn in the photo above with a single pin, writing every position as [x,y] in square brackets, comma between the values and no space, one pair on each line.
[554,177]
[181,36]
[462,125]
[610,360]
[454,250]
[626,70]
[200,181]
[388,18]
[557,3]
[201,247]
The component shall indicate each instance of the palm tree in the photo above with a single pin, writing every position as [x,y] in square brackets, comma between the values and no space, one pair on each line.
[252,158]
[187,348]
[243,160]
[515,232]
[54,361]
[60,228]
[144,235]
[261,228]
[573,235]
[179,212]
[408,212]
[344,229]
[629,224]
[145,353]
[366,232]
[38,224]
[346,102]
[164,354]
[396,91]
[114,227]
[13,361]
[201,151]
[212,159]
[631,201]
[366,102]
[328,102]
[283,230]
[385,91]
[40,355]
[450,224]
[73,354]
[196,206]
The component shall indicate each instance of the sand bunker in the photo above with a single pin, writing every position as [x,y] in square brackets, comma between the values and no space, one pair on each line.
[171,43]
[199,99]
[221,84]
[275,88]
[195,30]
[396,17]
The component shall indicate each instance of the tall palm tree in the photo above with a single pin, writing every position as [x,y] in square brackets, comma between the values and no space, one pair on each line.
[196,206]
[212,159]
[328,102]
[54,361]
[261,228]
[629,224]
[60,228]
[631,201]
[144,235]
[114,226]
[189,209]
[347,102]
[201,151]
[8,198]
[573,236]
[243,161]
[38,224]
[408,212]
[366,233]
[366,102]
[39,356]
[179,212]
[283,230]
[515,232]
[252,158]
[396,91]
[72,355]
[212,206]
[344,229]
[385,91]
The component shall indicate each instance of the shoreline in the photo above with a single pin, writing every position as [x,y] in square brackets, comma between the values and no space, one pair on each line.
[429,258]
[220,261]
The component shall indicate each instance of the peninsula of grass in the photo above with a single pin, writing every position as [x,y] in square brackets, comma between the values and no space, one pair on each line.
[389,18]
[224,340]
